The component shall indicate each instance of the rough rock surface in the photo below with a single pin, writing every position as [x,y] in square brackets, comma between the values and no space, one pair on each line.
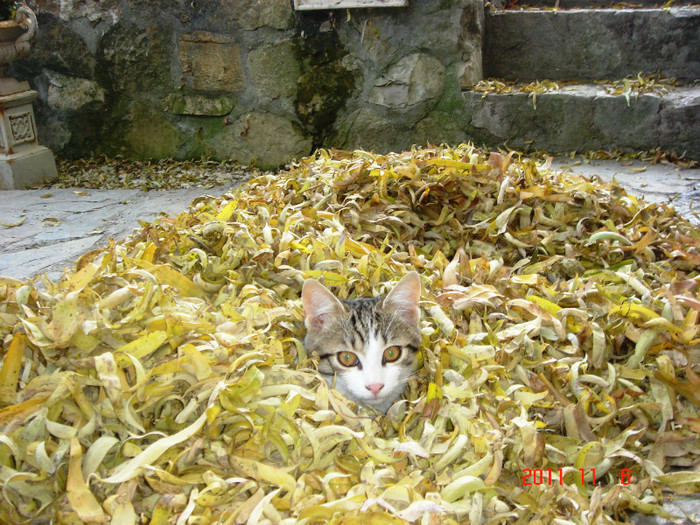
[143,133]
[254,14]
[67,93]
[368,129]
[198,105]
[274,71]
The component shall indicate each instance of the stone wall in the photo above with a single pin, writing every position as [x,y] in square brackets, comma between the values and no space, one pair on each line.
[251,80]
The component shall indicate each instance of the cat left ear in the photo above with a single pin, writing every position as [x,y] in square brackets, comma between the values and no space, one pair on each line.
[404,298]
[320,305]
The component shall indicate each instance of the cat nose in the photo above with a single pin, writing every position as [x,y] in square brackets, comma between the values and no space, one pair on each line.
[375,388]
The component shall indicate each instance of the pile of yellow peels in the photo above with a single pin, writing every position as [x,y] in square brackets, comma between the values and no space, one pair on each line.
[164,380]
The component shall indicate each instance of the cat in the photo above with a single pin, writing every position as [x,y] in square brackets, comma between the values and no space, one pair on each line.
[368,346]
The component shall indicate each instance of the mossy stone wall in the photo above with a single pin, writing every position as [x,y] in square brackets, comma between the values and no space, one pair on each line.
[251,80]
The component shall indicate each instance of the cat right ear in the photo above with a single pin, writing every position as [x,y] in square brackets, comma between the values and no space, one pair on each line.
[404,298]
[320,305]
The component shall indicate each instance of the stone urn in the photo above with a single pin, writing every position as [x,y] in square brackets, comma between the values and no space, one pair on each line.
[15,36]
[23,161]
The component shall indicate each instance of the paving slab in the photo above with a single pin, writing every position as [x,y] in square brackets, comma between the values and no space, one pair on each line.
[660,183]
[685,510]
[59,225]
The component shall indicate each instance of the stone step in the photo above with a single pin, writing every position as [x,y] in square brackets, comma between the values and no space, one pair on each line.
[587,117]
[589,4]
[592,44]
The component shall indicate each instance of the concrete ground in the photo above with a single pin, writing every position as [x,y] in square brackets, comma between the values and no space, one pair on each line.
[654,182]
[57,226]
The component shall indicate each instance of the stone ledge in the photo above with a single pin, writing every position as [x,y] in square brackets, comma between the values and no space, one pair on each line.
[586,117]
[589,4]
[198,105]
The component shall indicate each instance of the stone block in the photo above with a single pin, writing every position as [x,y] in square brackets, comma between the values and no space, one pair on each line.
[67,93]
[366,129]
[439,127]
[274,70]
[27,167]
[414,79]
[144,133]
[57,133]
[254,14]
[262,139]
[309,5]
[211,62]
[59,48]
[470,65]
[679,120]
[471,69]
[134,61]
[586,117]
[93,11]
[448,29]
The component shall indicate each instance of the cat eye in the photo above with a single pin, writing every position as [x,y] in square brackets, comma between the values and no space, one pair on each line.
[391,354]
[347,359]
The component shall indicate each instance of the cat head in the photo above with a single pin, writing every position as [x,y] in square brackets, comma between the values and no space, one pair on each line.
[368,346]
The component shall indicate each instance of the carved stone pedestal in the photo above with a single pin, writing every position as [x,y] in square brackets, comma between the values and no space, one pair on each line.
[23,162]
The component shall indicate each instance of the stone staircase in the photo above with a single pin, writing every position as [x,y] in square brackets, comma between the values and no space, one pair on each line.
[571,52]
